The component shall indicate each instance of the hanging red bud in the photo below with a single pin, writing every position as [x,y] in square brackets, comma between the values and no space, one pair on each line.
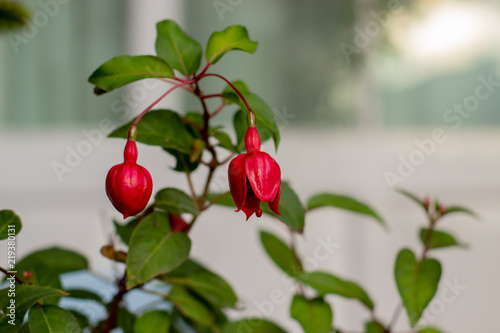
[129,185]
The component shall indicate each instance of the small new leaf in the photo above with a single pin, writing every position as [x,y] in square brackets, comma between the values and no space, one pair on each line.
[314,315]
[234,37]
[10,223]
[438,239]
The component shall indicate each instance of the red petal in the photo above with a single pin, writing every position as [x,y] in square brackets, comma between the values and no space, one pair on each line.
[274,205]
[252,205]
[264,175]
[237,180]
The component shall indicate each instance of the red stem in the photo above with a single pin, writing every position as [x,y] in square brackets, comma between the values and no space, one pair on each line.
[219,109]
[205,69]
[211,96]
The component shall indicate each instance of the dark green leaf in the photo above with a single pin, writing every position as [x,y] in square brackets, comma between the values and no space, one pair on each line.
[417,282]
[84,294]
[162,128]
[123,70]
[326,283]
[458,209]
[82,320]
[26,296]
[234,37]
[342,202]
[412,197]
[190,307]
[154,249]
[438,239]
[210,286]
[183,163]
[177,48]
[314,315]
[225,141]
[188,267]
[429,330]
[12,15]
[240,127]
[153,322]
[253,325]
[292,210]
[10,223]
[280,253]
[265,116]
[126,320]
[373,327]
[52,319]
[175,201]
[125,230]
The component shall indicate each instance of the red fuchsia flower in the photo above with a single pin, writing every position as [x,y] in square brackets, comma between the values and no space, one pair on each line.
[129,185]
[254,177]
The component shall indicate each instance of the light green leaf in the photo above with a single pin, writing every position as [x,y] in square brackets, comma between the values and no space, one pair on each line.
[52,319]
[208,285]
[253,325]
[314,315]
[326,283]
[123,70]
[266,122]
[459,209]
[154,249]
[177,48]
[10,223]
[190,307]
[225,141]
[417,282]
[153,322]
[175,201]
[26,296]
[281,254]
[438,239]
[373,327]
[234,37]
[413,197]
[429,330]
[238,84]
[162,128]
[342,202]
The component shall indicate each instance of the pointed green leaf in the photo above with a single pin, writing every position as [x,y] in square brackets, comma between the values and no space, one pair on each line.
[342,202]
[10,223]
[225,141]
[190,306]
[417,282]
[183,163]
[458,209]
[154,249]
[292,210]
[326,283]
[125,230]
[52,319]
[438,239]
[265,117]
[314,315]
[26,296]
[208,285]
[429,330]
[234,37]
[126,320]
[83,294]
[177,48]
[373,327]
[153,322]
[253,325]
[280,253]
[82,320]
[123,70]
[175,201]
[412,197]
[162,128]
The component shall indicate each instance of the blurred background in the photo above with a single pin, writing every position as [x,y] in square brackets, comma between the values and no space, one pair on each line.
[369,95]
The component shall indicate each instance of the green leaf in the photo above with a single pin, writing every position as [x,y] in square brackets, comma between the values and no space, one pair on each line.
[52,319]
[238,84]
[210,286]
[183,163]
[413,197]
[154,249]
[281,254]
[123,70]
[429,330]
[125,230]
[438,239]
[153,322]
[240,127]
[10,223]
[326,283]
[234,37]
[342,202]
[252,325]
[26,296]
[225,141]
[292,210]
[265,116]
[314,315]
[162,128]
[12,15]
[175,201]
[190,307]
[82,320]
[126,320]
[373,327]
[84,294]
[417,282]
[177,48]
[458,209]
